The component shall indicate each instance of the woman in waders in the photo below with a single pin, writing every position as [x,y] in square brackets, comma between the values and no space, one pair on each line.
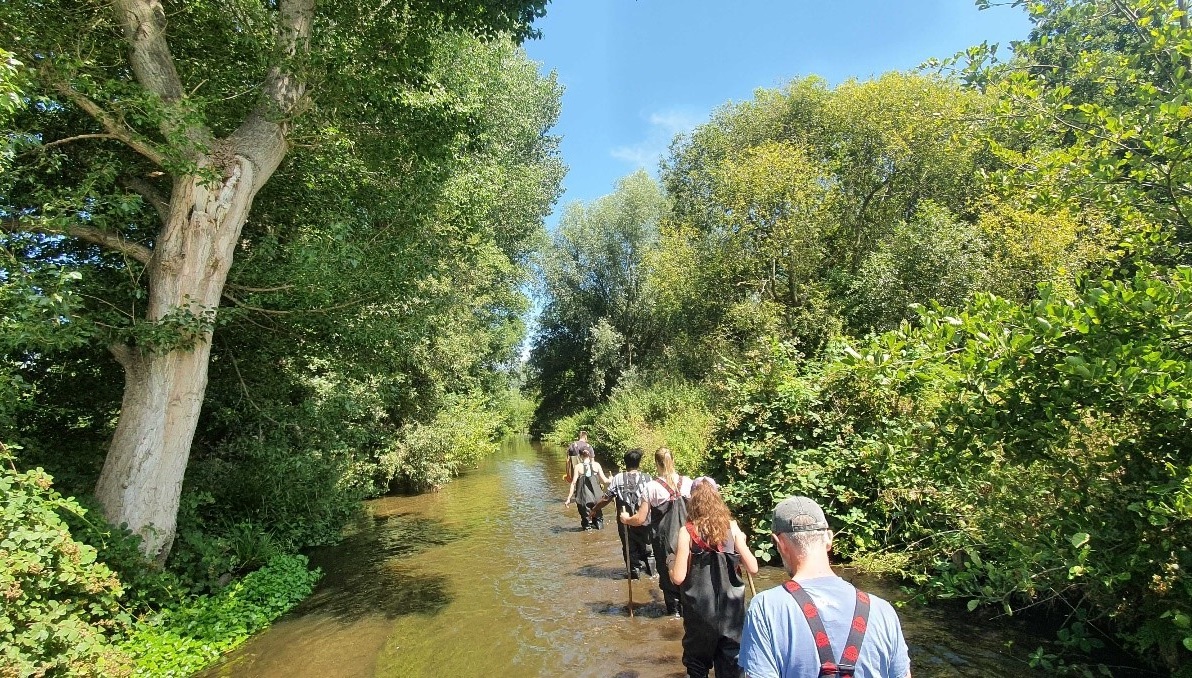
[710,553]
[585,487]
[665,507]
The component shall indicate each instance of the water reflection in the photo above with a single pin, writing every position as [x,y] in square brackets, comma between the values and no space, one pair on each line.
[491,576]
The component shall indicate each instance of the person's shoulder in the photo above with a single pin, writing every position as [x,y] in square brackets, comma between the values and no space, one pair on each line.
[768,600]
[882,613]
[881,606]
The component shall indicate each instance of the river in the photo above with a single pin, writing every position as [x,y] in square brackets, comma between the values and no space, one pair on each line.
[492,576]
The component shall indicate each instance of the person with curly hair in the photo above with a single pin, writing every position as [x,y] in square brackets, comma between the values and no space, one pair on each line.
[710,553]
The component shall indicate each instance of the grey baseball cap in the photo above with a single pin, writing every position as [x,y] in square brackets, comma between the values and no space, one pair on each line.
[798,514]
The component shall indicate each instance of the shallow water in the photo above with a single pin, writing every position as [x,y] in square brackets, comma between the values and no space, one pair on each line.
[492,576]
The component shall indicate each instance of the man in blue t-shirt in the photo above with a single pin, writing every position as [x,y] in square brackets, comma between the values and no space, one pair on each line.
[780,636]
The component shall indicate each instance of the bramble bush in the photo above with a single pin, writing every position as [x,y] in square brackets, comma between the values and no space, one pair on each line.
[59,605]
[944,449]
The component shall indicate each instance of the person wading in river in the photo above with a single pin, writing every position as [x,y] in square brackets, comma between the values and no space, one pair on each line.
[585,487]
[708,557]
[628,489]
[665,508]
[574,451]
[817,624]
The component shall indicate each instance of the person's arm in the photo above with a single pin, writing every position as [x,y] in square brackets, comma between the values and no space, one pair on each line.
[757,657]
[599,505]
[571,490]
[678,572]
[637,519]
[747,558]
[603,478]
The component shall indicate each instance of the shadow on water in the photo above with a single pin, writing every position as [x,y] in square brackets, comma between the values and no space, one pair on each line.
[492,576]
[600,572]
[362,577]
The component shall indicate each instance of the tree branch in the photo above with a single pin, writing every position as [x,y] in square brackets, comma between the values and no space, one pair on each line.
[150,194]
[95,236]
[258,290]
[78,137]
[144,24]
[269,311]
[262,136]
[116,128]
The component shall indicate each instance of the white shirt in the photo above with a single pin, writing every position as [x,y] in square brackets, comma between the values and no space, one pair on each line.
[657,494]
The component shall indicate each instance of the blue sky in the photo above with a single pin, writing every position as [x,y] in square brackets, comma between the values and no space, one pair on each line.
[637,72]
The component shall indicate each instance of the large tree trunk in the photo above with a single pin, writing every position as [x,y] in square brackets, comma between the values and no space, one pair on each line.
[142,477]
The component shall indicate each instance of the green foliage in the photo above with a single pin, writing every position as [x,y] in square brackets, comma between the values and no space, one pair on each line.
[1102,121]
[597,322]
[66,612]
[780,202]
[428,455]
[60,605]
[953,441]
[674,415]
[934,256]
[181,640]
[515,411]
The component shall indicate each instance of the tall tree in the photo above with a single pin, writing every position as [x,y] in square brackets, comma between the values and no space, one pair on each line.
[781,200]
[195,114]
[598,316]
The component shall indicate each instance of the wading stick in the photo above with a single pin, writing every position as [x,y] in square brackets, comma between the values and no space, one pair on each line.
[628,572]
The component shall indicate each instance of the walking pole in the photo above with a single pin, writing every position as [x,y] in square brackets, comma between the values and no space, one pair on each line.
[752,591]
[628,572]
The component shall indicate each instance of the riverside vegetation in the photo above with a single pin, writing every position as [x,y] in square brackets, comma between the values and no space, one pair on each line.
[954,304]
[355,331]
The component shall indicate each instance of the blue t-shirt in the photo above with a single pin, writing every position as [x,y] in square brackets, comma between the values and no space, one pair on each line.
[777,642]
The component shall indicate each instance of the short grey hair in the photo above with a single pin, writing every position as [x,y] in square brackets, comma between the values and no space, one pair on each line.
[809,540]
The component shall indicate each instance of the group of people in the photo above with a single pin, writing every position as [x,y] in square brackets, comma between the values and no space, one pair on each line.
[699,554]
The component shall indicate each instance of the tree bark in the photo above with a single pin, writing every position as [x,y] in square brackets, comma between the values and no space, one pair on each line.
[141,482]
[142,476]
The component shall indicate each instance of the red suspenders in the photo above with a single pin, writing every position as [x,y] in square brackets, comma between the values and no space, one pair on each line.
[856,635]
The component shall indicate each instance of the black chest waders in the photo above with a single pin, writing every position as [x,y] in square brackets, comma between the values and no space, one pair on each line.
[713,609]
[667,519]
[628,490]
[587,493]
[829,666]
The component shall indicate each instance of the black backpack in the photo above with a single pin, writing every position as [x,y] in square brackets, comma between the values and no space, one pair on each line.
[629,496]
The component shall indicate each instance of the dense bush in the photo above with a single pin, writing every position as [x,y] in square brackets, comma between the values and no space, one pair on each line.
[951,444]
[674,415]
[183,639]
[59,606]
[427,455]
[66,613]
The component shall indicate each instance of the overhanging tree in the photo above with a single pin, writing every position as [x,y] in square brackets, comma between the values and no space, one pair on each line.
[193,108]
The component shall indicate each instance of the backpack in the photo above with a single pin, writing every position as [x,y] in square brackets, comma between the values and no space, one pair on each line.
[669,518]
[628,494]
